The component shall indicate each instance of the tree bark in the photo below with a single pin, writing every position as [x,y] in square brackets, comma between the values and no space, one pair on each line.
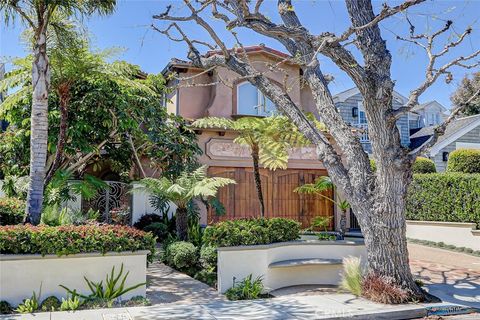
[39,127]
[64,96]
[258,179]
[181,223]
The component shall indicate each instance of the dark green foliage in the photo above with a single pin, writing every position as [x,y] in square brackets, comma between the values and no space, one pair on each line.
[208,256]
[181,255]
[159,229]
[247,289]
[251,232]
[5,307]
[51,303]
[423,165]
[146,220]
[12,211]
[452,197]
[208,276]
[64,240]
[464,160]
[444,246]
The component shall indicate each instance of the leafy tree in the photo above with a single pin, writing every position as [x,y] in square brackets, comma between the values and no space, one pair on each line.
[269,140]
[188,186]
[465,90]
[321,185]
[37,15]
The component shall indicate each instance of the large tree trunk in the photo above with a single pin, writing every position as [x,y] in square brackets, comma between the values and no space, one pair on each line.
[64,97]
[39,128]
[181,223]
[258,179]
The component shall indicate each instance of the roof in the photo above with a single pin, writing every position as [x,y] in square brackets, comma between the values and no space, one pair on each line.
[344,95]
[456,129]
[435,103]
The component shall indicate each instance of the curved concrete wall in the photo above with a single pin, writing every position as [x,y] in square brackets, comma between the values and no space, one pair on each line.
[238,262]
[21,275]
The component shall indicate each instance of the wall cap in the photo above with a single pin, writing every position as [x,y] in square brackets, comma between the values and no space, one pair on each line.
[293,243]
[10,257]
[444,223]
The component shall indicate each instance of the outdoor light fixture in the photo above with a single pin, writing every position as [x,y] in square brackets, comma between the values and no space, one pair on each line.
[354,112]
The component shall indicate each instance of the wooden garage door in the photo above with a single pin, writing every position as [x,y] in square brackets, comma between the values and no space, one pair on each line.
[241,201]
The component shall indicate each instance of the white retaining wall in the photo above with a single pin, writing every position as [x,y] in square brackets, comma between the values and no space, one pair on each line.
[239,262]
[20,275]
[453,233]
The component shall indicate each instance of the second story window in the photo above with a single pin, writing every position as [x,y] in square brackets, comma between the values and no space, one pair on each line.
[251,101]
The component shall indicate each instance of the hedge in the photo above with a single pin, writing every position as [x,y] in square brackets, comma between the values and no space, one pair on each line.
[12,211]
[464,160]
[451,197]
[423,165]
[65,240]
[251,232]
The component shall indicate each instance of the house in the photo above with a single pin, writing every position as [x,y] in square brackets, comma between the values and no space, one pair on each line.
[460,133]
[221,93]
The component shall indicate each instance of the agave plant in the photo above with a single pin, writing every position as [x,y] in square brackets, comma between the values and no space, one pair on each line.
[187,187]
[321,185]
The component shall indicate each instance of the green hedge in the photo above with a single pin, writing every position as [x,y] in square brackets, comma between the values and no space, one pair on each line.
[464,160]
[251,232]
[12,211]
[423,165]
[65,240]
[453,197]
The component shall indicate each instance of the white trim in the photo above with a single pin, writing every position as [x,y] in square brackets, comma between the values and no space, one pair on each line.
[436,148]
[467,145]
[343,96]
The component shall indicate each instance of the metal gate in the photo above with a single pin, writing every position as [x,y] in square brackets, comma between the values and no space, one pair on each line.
[354,226]
[114,197]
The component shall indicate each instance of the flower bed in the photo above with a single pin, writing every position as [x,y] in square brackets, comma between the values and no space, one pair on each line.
[66,240]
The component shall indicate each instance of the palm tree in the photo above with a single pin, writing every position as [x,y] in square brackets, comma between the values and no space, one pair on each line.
[269,140]
[187,187]
[321,185]
[37,15]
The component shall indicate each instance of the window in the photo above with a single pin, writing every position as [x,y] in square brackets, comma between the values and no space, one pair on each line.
[362,117]
[250,101]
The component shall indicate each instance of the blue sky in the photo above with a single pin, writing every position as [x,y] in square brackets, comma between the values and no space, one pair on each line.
[129,28]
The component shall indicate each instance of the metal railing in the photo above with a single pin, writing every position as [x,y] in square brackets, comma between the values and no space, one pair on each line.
[362,132]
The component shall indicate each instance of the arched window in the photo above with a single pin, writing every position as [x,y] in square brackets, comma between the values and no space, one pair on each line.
[251,101]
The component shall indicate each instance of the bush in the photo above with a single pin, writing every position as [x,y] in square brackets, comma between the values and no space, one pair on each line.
[208,276]
[451,197]
[383,290]
[12,211]
[146,220]
[51,303]
[5,307]
[423,165]
[251,232]
[160,230]
[181,255]
[247,289]
[64,240]
[208,256]
[464,160]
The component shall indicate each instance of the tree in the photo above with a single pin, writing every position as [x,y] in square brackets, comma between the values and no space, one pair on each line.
[465,90]
[187,187]
[378,198]
[37,15]
[268,139]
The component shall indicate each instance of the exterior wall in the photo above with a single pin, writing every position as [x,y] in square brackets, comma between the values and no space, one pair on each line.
[23,274]
[453,233]
[238,262]
[472,136]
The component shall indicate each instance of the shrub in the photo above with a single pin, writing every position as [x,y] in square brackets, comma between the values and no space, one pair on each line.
[146,220]
[50,304]
[5,307]
[383,290]
[181,255]
[423,165]
[208,276]
[452,197]
[247,289]
[352,276]
[251,232]
[160,230]
[12,211]
[464,160]
[64,240]
[208,256]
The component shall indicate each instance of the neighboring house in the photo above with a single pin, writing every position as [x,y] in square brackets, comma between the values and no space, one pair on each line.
[462,133]
[222,93]
[426,114]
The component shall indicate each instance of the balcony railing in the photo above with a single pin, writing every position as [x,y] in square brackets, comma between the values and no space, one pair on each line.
[362,132]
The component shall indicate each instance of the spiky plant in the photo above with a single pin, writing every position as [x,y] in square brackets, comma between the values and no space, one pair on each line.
[322,184]
[188,186]
[269,140]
